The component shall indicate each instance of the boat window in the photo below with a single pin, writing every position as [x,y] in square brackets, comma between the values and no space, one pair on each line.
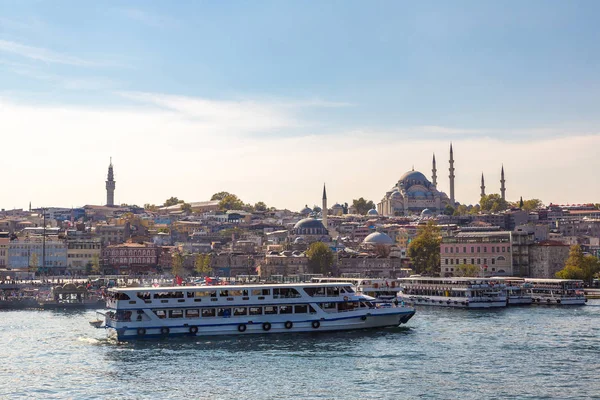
[235,293]
[285,309]
[328,306]
[348,289]
[261,292]
[204,293]
[208,312]
[175,313]
[162,314]
[333,292]
[190,295]
[347,306]
[301,309]
[255,310]
[144,295]
[224,312]
[315,291]
[311,310]
[285,293]
[168,295]
[240,311]
[270,310]
[193,313]
[224,293]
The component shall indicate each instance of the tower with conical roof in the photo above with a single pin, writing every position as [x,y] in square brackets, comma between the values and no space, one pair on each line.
[451,176]
[324,210]
[502,184]
[433,172]
[110,186]
[482,185]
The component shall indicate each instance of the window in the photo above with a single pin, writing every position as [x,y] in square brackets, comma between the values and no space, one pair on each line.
[451,249]
[503,249]
[472,249]
[160,314]
[240,311]
[255,310]
[493,249]
[175,313]
[472,261]
[270,310]
[235,293]
[478,249]
[224,312]
[285,293]
[285,309]
[479,261]
[445,250]
[465,249]
[446,261]
[195,313]
[208,312]
[328,306]
[493,261]
[261,292]
[203,294]
[301,309]
[485,249]
[315,291]
[333,291]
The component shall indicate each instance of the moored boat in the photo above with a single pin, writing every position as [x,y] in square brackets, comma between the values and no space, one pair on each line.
[382,289]
[556,291]
[517,291]
[453,292]
[245,309]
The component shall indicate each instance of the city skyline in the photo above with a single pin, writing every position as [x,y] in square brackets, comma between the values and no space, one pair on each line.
[193,99]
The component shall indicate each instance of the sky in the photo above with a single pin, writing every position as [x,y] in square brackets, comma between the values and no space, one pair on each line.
[271,99]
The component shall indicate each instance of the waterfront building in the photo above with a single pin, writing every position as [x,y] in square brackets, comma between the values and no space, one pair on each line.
[53,251]
[547,258]
[111,234]
[490,251]
[82,249]
[4,241]
[370,265]
[132,258]
[284,263]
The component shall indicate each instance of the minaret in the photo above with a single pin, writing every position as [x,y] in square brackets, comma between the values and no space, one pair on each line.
[110,186]
[324,211]
[502,187]
[451,176]
[434,172]
[482,186]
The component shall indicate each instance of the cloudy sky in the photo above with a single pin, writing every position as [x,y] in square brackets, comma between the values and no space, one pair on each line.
[269,99]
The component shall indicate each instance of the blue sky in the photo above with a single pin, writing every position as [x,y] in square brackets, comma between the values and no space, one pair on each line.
[236,94]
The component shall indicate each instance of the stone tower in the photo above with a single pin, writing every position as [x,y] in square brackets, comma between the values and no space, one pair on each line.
[482,185]
[324,210]
[110,186]
[434,172]
[451,176]
[502,186]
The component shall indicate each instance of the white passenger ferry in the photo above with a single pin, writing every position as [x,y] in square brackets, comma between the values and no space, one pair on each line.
[244,309]
[382,289]
[517,290]
[557,291]
[453,292]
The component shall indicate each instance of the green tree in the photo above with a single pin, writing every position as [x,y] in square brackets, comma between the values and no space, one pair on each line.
[219,196]
[96,264]
[320,258]
[521,204]
[362,206]
[172,201]
[177,264]
[231,202]
[531,204]
[186,208]
[424,249]
[449,210]
[260,206]
[461,210]
[580,266]
[202,264]
[476,209]
[492,203]
[150,207]
[34,262]
[469,270]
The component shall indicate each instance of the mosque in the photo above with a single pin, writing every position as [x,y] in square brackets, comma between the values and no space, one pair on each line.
[414,193]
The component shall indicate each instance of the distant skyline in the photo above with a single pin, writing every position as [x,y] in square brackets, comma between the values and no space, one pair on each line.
[270,99]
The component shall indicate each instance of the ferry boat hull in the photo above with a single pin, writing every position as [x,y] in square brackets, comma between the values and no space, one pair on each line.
[564,301]
[392,319]
[519,300]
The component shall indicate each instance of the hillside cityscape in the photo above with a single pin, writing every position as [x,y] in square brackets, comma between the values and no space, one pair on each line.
[414,228]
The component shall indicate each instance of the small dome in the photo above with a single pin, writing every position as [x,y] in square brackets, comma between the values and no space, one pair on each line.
[299,239]
[309,223]
[396,194]
[378,238]
[426,213]
[372,212]
[306,210]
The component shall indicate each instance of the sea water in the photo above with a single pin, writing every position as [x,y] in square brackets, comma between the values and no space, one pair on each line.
[537,352]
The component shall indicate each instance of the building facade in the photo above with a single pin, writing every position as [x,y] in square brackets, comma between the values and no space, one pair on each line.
[547,258]
[48,257]
[133,258]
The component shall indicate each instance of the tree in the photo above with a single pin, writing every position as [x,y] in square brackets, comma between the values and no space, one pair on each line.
[231,202]
[492,203]
[449,210]
[177,264]
[521,204]
[260,206]
[150,207]
[172,201]
[531,205]
[461,210]
[33,262]
[320,258]
[186,208]
[382,250]
[579,266]
[96,264]
[469,270]
[219,196]
[202,264]
[475,209]
[362,206]
[424,249]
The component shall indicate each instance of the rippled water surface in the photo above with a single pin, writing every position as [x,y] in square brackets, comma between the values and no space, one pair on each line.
[526,353]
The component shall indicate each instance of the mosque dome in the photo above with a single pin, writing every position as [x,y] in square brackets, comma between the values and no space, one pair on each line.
[426,213]
[376,238]
[373,212]
[310,226]
[414,176]
[306,210]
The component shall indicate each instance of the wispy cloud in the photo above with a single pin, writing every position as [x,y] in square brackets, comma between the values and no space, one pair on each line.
[150,19]
[49,56]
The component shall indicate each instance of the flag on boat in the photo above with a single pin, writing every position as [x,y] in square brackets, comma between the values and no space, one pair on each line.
[178,280]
